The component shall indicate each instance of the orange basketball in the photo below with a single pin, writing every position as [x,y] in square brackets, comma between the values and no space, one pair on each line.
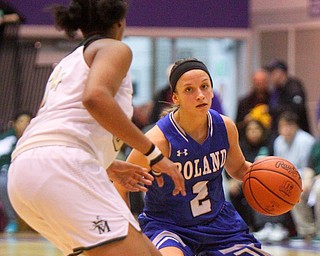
[272,186]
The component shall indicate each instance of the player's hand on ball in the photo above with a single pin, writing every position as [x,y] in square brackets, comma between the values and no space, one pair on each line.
[132,177]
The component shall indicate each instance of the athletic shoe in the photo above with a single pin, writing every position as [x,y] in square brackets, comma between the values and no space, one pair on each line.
[279,234]
[264,234]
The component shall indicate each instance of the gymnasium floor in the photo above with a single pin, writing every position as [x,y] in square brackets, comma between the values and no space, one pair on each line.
[31,244]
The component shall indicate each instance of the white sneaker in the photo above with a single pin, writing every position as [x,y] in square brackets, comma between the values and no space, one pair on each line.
[279,233]
[265,233]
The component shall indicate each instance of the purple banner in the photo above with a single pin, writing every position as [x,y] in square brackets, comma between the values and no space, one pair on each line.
[160,13]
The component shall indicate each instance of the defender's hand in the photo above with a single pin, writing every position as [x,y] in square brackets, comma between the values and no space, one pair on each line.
[132,177]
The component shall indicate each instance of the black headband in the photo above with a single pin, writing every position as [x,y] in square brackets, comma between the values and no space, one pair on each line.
[184,67]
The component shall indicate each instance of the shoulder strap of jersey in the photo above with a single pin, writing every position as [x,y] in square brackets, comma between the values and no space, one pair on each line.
[89,40]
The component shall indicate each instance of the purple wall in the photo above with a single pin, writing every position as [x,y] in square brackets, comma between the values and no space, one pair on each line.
[162,13]
[33,10]
[189,13]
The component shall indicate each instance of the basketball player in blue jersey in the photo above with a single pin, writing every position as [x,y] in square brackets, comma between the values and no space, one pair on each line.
[202,143]
[60,177]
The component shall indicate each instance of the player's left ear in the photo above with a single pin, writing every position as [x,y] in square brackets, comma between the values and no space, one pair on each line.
[175,99]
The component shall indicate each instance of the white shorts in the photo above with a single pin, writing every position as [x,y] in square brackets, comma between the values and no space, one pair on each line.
[65,195]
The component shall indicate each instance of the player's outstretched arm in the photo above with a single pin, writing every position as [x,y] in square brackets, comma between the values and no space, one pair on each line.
[164,165]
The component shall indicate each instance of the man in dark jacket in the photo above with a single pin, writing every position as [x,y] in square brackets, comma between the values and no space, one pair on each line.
[288,94]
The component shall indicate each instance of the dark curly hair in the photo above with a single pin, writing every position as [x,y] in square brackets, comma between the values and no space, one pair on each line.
[90,16]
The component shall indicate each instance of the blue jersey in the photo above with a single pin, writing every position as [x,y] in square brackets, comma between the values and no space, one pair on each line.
[201,166]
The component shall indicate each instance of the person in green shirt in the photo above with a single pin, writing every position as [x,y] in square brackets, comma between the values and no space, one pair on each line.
[311,179]
[8,141]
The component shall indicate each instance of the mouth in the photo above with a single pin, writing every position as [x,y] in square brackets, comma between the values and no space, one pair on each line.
[202,105]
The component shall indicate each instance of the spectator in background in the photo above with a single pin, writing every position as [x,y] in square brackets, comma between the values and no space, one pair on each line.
[8,142]
[161,99]
[255,143]
[8,14]
[255,103]
[295,145]
[311,179]
[288,94]
[216,103]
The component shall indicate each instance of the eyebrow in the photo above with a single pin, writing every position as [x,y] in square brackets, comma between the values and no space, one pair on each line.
[203,80]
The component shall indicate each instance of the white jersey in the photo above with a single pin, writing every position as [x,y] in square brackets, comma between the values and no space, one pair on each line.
[63,120]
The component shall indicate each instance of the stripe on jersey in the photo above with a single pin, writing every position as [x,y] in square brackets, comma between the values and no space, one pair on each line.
[248,249]
[182,132]
[164,236]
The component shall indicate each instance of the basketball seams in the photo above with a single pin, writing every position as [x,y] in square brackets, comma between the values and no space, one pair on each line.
[252,195]
[260,182]
[279,172]
[256,201]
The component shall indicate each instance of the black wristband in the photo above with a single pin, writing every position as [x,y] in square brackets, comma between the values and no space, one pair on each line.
[154,155]
[150,150]
[156,160]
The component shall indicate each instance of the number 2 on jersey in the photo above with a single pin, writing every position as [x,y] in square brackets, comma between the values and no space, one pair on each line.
[200,205]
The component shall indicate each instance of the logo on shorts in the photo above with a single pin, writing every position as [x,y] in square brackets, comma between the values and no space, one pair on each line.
[101,225]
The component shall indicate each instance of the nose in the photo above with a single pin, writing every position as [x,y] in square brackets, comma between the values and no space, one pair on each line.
[200,94]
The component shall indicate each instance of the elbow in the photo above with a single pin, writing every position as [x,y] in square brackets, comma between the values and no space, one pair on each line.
[92,99]
[89,101]
[96,97]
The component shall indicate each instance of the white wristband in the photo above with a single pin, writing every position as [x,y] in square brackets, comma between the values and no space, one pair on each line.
[154,156]
[157,174]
